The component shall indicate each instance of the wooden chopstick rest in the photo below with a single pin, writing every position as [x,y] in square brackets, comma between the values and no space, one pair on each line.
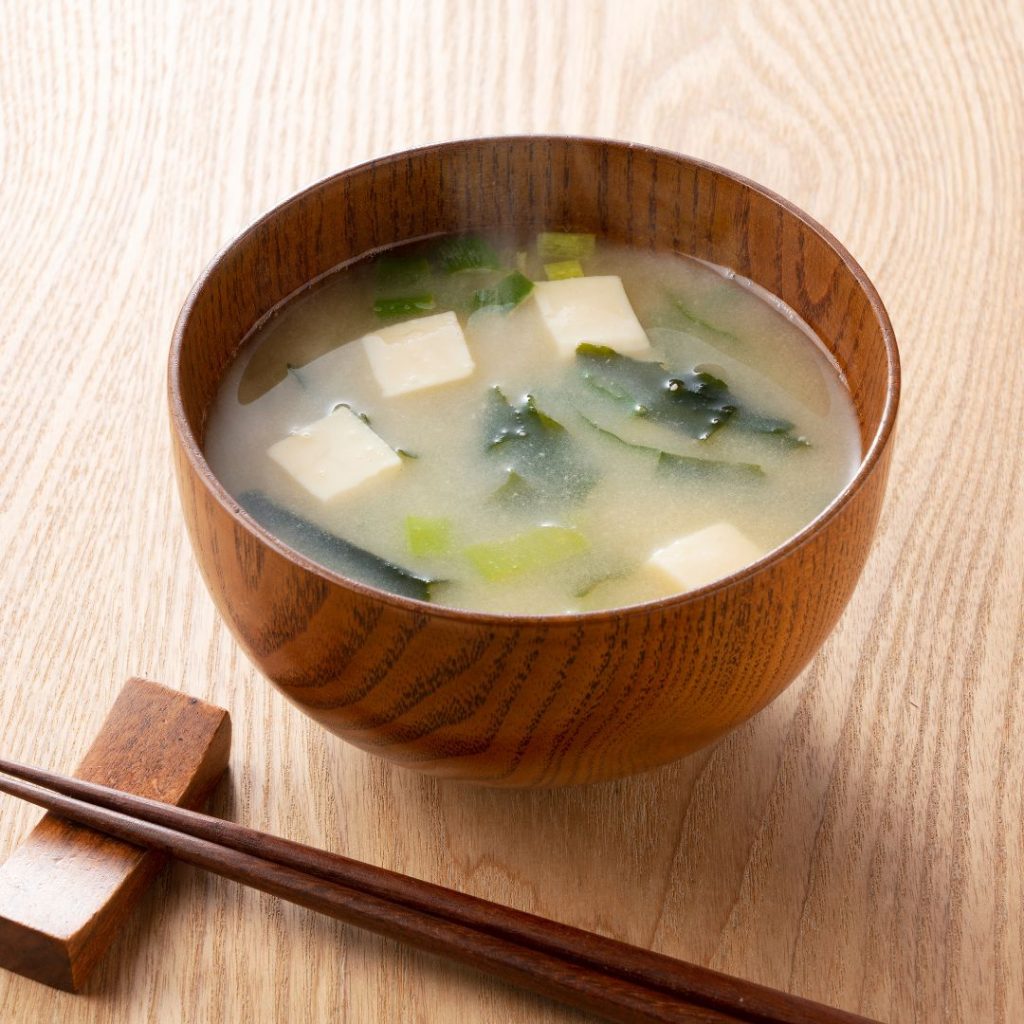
[66,890]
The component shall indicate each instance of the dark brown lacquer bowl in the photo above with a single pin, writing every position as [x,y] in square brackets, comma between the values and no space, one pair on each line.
[518,700]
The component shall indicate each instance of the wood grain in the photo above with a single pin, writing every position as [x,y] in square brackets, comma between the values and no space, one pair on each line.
[508,700]
[65,892]
[860,841]
[582,969]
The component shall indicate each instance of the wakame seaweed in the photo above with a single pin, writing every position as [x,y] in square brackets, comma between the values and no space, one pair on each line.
[536,451]
[770,427]
[334,552]
[690,467]
[694,402]
[679,315]
[515,491]
[671,464]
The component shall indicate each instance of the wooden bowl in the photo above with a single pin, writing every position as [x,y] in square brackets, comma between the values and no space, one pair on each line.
[520,700]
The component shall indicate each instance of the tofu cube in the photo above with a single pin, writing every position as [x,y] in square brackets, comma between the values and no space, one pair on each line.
[418,354]
[595,310]
[334,455]
[704,556]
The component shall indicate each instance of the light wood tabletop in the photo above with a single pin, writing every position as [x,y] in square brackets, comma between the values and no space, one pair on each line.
[860,842]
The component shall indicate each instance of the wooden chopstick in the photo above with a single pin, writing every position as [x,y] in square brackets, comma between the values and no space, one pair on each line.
[583,988]
[588,971]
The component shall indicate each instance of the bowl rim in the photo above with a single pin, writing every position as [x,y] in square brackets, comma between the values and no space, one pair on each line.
[866,466]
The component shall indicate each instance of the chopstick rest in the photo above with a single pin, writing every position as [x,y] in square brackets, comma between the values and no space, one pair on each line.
[66,890]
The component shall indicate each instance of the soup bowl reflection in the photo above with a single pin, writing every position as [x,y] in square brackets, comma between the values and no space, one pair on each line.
[517,700]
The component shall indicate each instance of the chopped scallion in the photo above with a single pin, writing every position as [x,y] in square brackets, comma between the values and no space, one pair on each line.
[466,252]
[555,246]
[563,269]
[535,549]
[400,271]
[428,536]
[505,295]
[405,305]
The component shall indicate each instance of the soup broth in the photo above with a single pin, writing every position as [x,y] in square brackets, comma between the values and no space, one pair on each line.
[533,426]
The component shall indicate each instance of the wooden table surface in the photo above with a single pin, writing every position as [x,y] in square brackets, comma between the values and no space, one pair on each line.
[860,842]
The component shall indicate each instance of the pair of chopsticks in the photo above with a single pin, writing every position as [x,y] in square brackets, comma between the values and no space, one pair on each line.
[590,972]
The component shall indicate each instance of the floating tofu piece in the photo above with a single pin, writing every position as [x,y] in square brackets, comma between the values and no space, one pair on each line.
[705,556]
[334,455]
[418,354]
[589,309]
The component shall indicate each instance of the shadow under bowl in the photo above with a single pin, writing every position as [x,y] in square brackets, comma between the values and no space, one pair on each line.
[515,700]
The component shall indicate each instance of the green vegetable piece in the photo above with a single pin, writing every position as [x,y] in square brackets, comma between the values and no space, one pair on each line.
[428,536]
[611,436]
[466,252]
[555,246]
[456,291]
[515,491]
[397,271]
[695,403]
[508,422]
[506,295]
[504,420]
[404,305]
[537,449]
[563,269]
[682,316]
[591,583]
[691,467]
[536,549]
[333,552]
[771,428]
[681,465]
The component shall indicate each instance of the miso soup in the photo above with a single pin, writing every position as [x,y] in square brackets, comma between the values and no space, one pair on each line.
[540,425]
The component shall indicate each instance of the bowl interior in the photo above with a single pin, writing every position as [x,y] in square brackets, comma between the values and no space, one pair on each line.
[531,183]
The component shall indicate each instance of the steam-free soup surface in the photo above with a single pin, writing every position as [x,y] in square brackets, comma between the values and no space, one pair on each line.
[546,471]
